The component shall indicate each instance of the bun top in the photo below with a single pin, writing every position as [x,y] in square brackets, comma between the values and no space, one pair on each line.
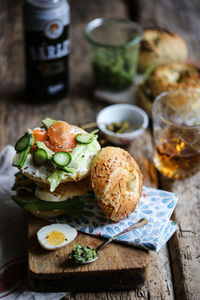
[117,182]
[159,46]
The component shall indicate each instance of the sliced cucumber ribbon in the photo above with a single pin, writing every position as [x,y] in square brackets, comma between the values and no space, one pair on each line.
[23,147]
[24,142]
[85,138]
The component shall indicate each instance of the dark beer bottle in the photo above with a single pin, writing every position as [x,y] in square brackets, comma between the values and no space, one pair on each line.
[46,34]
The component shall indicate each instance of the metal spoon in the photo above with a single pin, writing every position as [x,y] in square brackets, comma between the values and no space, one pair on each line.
[136,225]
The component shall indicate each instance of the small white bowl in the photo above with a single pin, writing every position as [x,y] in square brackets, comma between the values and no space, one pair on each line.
[118,113]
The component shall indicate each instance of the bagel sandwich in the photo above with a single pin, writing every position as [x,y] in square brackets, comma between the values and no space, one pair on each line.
[171,76]
[160,46]
[54,163]
[61,167]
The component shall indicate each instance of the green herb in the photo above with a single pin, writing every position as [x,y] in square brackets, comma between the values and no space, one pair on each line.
[82,254]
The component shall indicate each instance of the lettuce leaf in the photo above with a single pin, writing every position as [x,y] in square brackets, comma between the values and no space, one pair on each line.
[73,207]
[80,151]
[48,122]
[77,155]
[55,178]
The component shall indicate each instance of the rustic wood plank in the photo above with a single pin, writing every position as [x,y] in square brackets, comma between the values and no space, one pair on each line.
[183,18]
[159,285]
[184,245]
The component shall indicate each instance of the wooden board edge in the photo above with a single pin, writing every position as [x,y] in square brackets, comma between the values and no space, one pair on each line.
[93,282]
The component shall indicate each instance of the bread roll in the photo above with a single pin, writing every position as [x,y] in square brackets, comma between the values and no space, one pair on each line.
[171,76]
[160,46]
[117,182]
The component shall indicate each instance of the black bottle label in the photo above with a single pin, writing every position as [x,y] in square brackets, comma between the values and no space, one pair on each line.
[47,62]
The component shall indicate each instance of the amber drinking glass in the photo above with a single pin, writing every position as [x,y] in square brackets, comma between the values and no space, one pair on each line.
[176,133]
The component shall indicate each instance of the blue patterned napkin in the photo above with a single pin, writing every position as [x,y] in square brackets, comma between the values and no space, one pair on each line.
[155,205]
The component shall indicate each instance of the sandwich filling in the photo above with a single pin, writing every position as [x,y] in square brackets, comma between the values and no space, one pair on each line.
[55,163]
[57,153]
[33,198]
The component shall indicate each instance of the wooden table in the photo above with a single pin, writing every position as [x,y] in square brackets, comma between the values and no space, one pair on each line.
[174,272]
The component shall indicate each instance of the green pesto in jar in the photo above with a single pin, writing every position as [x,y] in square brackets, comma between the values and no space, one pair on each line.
[114,68]
[82,254]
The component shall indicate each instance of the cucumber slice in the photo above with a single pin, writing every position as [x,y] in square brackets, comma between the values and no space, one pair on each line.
[23,142]
[62,159]
[40,157]
[41,145]
[85,138]
[20,157]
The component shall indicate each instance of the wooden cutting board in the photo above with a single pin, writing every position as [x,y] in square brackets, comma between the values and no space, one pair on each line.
[119,267]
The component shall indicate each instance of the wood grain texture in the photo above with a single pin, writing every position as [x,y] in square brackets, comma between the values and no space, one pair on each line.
[184,245]
[181,17]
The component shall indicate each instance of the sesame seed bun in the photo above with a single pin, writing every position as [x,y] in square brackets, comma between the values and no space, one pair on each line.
[171,76]
[117,182]
[160,46]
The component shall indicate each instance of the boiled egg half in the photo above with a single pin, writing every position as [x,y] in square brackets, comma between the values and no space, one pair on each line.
[55,236]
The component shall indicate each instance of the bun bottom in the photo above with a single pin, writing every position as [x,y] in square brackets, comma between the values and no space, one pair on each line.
[45,215]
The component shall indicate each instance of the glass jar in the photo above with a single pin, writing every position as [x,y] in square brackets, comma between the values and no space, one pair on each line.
[114,46]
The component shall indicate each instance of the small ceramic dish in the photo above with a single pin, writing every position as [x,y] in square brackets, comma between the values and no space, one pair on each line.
[136,117]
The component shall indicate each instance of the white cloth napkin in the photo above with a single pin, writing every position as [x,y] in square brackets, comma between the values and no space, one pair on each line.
[12,239]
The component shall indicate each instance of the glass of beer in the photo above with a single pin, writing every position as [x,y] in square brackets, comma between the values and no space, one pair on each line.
[176,133]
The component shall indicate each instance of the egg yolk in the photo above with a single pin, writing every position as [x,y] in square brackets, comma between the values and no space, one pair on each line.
[55,238]
[57,138]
